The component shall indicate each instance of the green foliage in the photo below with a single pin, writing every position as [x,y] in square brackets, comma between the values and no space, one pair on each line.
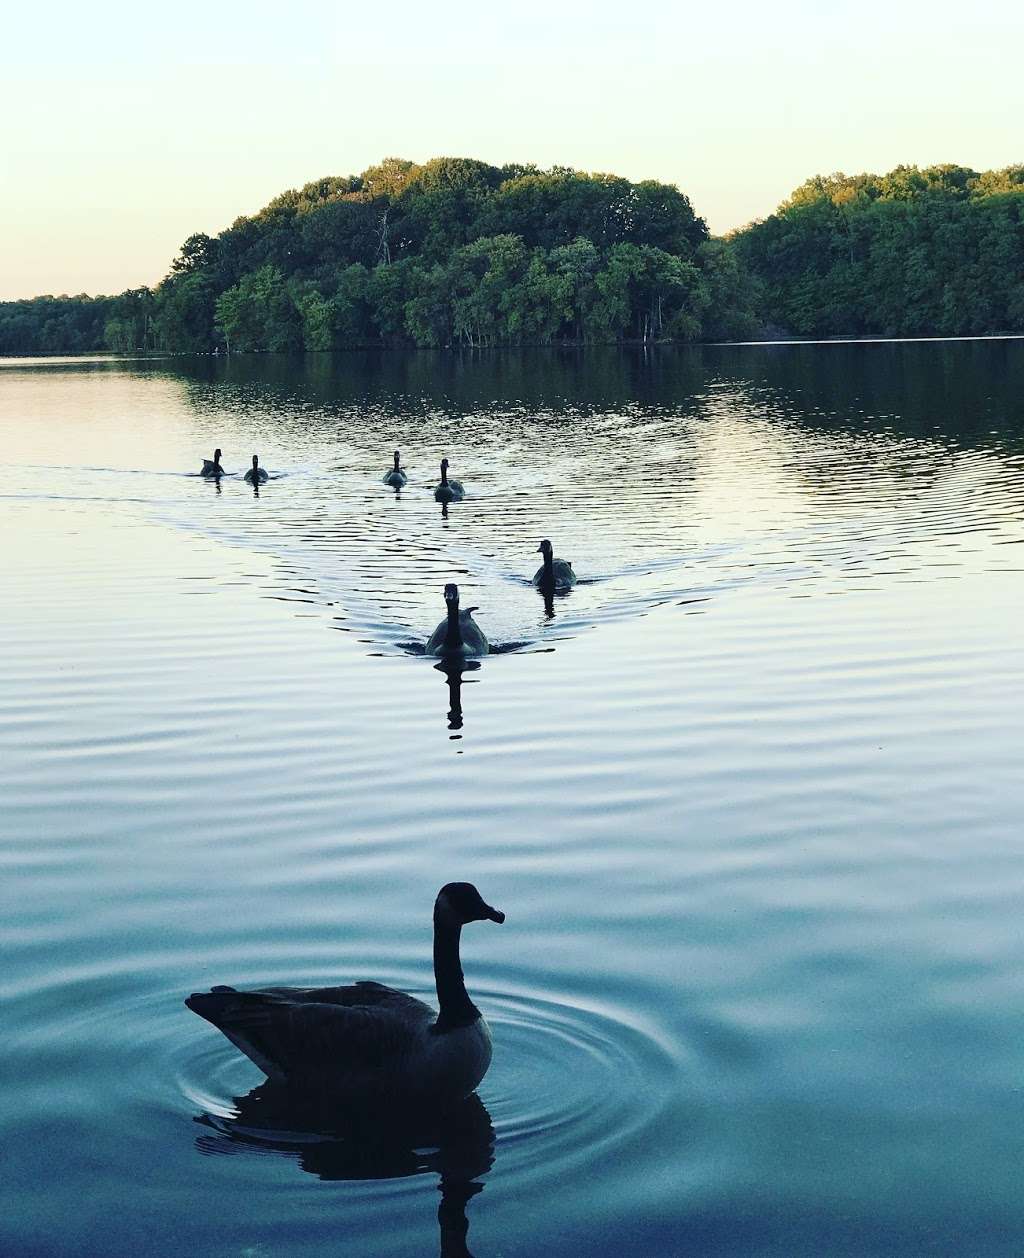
[183,313]
[456,252]
[53,325]
[259,313]
[938,251]
[450,252]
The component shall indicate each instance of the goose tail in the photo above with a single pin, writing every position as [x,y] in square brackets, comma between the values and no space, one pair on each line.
[225,1007]
[248,1020]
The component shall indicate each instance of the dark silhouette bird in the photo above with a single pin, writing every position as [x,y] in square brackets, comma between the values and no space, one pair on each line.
[394,476]
[448,490]
[369,1044]
[212,467]
[553,574]
[458,635]
[256,475]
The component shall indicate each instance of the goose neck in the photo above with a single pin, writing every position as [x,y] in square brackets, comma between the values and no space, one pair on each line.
[456,1008]
[453,637]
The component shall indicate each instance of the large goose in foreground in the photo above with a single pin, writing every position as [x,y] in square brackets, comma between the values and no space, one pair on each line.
[368,1043]
[458,635]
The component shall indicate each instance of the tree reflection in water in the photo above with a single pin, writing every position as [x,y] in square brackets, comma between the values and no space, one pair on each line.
[457,1145]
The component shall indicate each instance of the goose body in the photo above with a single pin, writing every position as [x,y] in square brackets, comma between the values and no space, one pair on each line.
[448,490]
[367,1043]
[458,636]
[212,467]
[553,574]
[256,475]
[394,476]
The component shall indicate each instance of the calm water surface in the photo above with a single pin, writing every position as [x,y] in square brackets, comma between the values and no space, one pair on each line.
[750,796]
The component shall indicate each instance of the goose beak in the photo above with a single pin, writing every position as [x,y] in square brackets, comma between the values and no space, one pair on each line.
[494,915]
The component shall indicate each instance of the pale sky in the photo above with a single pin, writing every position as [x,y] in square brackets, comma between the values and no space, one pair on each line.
[125,128]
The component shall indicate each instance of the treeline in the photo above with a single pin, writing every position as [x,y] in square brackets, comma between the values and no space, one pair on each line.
[450,253]
[938,251]
[456,252]
[53,325]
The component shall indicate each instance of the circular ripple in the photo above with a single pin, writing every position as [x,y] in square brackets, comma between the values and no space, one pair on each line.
[566,1085]
[566,1082]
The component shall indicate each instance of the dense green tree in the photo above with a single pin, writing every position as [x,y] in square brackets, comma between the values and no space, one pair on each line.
[54,325]
[389,289]
[129,323]
[259,313]
[577,263]
[933,251]
[428,312]
[183,313]
[198,253]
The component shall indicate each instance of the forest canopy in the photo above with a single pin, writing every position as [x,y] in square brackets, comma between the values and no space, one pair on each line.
[459,253]
[937,251]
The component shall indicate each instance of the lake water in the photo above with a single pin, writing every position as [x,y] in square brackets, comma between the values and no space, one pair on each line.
[750,796]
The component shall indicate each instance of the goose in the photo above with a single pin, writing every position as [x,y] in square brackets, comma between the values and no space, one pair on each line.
[212,467]
[256,475]
[394,476]
[448,490]
[553,574]
[458,635]
[368,1043]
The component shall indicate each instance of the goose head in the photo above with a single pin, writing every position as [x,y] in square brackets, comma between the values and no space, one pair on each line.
[545,549]
[451,594]
[216,455]
[397,468]
[444,469]
[255,462]
[458,903]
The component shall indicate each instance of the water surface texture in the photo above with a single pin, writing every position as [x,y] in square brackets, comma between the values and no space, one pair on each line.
[749,795]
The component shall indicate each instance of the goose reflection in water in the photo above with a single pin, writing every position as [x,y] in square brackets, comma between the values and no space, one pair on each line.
[453,670]
[457,1145]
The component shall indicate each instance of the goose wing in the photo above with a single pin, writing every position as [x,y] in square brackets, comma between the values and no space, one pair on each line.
[317,1032]
[361,995]
[436,640]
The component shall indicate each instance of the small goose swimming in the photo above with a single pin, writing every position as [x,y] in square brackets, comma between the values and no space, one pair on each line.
[212,467]
[448,490]
[256,475]
[394,476]
[553,574]
[368,1043]
[458,635]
